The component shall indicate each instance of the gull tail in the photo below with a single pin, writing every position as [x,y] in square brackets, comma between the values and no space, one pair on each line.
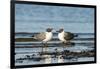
[75,35]
[34,37]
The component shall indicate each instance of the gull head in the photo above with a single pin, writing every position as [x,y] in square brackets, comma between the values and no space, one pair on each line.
[49,29]
[60,30]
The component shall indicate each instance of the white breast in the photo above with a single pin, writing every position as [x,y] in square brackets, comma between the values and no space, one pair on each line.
[61,36]
[48,36]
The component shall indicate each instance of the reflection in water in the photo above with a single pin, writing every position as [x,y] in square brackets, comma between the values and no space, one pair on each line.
[57,55]
[60,59]
[47,59]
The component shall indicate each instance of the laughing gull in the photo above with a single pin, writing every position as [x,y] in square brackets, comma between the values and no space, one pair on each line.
[44,36]
[65,37]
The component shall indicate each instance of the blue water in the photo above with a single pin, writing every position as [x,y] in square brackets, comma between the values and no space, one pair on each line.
[36,18]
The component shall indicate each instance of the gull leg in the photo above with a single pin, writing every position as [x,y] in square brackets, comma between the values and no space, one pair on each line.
[67,42]
[43,42]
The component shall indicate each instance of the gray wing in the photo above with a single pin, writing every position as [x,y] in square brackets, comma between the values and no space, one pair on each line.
[68,36]
[40,36]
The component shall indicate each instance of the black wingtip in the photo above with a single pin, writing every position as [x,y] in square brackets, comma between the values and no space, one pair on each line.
[32,35]
[75,35]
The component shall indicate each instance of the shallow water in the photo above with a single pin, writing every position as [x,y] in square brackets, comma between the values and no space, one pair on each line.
[22,49]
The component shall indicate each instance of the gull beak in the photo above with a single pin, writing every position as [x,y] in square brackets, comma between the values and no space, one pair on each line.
[57,31]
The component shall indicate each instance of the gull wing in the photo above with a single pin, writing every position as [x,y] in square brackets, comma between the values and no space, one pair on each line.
[68,36]
[40,36]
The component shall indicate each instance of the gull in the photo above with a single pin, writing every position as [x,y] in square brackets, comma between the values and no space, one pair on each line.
[44,36]
[65,37]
